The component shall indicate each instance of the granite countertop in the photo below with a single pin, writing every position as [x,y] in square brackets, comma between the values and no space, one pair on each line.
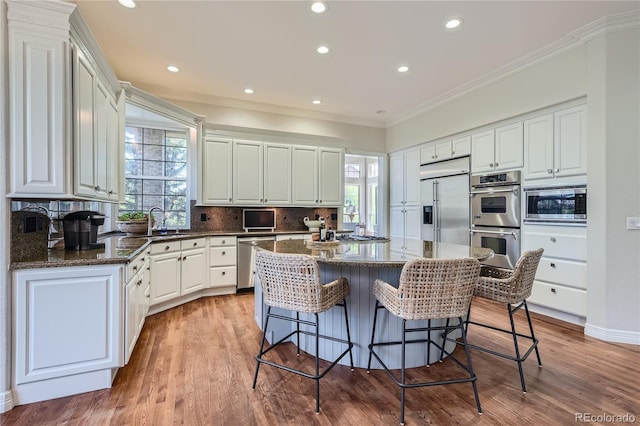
[120,248]
[370,253]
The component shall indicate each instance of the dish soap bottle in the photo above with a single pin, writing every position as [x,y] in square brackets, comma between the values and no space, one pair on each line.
[323,232]
[330,235]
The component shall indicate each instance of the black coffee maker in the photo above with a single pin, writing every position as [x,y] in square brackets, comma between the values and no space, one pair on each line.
[81,230]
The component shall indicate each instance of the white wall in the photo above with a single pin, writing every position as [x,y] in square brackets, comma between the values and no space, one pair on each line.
[355,138]
[613,296]
[555,80]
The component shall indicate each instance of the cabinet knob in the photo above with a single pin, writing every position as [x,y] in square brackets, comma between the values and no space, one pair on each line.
[224,272]
[433,156]
[549,171]
[553,290]
[195,244]
[179,258]
[490,164]
[553,265]
[557,170]
[453,152]
[184,258]
[139,282]
[496,164]
[265,200]
[320,201]
[553,239]
[167,247]
[135,268]
[97,188]
[229,199]
[224,252]
[224,241]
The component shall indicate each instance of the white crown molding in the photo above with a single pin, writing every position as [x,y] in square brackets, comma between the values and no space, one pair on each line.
[51,14]
[258,107]
[159,106]
[619,22]
[84,40]
[612,335]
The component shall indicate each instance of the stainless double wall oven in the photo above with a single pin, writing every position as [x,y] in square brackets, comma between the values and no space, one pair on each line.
[495,216]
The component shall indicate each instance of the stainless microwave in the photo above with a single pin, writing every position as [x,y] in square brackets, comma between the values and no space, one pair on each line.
[566,204]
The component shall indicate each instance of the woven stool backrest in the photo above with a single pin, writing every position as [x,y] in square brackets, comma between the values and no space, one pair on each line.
[524,274]
[437,288]
[289,281]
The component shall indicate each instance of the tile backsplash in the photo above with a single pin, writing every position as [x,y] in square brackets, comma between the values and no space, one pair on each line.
[230,218]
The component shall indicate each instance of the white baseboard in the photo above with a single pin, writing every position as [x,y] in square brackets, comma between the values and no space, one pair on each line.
[611,335]
[6,401]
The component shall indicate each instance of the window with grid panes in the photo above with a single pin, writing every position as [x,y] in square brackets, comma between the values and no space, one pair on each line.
[156,174]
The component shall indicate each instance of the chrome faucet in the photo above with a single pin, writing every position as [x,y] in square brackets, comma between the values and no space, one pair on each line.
[150,218]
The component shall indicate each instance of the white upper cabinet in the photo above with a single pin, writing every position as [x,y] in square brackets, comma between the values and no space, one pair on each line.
[248,172]
[56,98]
[497,149]
[445,150]
[331,177]
[555,144]
[39,76]
[305,175]
[277,174]
[216,171]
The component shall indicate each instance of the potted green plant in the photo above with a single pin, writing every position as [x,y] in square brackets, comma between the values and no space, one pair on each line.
[134,223]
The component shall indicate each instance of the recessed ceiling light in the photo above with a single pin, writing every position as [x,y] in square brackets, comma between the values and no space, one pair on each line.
[381,111]
[319,6]
[249,91]
[322,50]
[173,68]
[403,68]
[128,3]
[453,23]
[316,101]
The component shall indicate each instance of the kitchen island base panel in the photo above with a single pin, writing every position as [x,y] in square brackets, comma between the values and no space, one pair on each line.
[361,307]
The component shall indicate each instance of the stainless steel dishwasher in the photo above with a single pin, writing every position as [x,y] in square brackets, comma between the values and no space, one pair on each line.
[246,259]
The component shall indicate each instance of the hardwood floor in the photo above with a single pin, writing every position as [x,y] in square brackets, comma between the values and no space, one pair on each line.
[194,365]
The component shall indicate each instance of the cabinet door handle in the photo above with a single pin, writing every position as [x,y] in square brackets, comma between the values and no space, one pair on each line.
[549,171]
[553,265]
[553,239]
[553,290]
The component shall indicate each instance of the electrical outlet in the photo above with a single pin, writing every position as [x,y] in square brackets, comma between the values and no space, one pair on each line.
[203,217]
[633,223]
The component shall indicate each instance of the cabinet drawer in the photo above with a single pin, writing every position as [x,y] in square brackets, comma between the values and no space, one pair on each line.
[193,243]
[288,237]
[222,241]
[222,276]
[221,256]
[565,299]
[557,244]
[138,264]
[165,247]
[565,272]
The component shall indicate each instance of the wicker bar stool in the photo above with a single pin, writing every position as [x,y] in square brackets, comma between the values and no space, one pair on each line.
[292,282]
[511,287]
[429,289]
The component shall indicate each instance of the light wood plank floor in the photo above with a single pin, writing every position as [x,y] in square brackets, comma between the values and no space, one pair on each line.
[194,365]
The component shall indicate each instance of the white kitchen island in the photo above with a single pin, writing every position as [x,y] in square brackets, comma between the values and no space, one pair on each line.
[361,263]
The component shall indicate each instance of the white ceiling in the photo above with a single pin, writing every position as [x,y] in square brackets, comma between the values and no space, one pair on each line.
[222,47]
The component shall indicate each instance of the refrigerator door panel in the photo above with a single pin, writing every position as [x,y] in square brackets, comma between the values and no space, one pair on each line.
[453,209]
[428,210]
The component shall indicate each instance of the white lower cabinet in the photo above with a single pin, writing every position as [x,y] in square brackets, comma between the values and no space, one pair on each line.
[223,258]
[178,268]
[67,326]
[136,301]
[561,278]
[404,230]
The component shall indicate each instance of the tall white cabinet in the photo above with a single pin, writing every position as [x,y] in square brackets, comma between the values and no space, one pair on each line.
[404,212]
[62,98]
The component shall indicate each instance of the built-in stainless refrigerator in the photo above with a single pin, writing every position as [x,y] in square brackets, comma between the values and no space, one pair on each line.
[444,193]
